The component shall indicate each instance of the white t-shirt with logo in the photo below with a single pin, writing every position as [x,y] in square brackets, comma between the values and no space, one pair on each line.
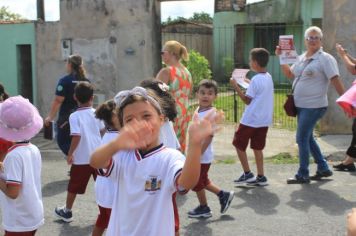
[105,187]
[22,167]
[84,124]
[208,156]
[259,113]
[143,199]
[167,136]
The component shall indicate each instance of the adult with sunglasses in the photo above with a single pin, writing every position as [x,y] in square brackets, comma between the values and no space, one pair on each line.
[179,80]
[311,76]
[64,101]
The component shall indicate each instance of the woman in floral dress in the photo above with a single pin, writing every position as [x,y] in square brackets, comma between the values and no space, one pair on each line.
[179,80]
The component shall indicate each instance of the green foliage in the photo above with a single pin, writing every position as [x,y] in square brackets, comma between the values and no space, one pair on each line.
[198,66]
[283,158]
[201,17]
[6,15]
[228,65]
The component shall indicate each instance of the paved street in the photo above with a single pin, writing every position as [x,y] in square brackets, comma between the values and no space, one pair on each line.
[278,209]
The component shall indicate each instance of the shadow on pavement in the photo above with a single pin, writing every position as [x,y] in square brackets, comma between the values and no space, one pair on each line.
[54,188]
[200,227]
[260,199]
[312,195]
[69,230]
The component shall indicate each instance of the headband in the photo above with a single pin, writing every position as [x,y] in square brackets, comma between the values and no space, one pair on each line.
[121,97]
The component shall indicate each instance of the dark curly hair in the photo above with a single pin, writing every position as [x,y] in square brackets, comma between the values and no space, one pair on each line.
[3,94]
[167,101]
[105,111]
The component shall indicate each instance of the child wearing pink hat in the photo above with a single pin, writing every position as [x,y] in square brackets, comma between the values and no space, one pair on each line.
[20,177]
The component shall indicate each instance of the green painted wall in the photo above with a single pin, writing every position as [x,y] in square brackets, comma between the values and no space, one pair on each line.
[12,35]
[297,15]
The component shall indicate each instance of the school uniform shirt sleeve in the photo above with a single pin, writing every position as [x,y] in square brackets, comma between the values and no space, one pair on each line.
[112,170]
[74,125]
[329,66]
[13,168]
[61,88]
[174,171]
[252,89]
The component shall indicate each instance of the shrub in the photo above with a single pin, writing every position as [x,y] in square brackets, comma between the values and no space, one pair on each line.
[198,66]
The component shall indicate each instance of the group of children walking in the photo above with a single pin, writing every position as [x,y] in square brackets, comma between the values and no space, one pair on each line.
[129,146]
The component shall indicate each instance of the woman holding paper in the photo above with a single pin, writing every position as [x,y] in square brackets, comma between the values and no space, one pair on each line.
[311,76]
[347,102]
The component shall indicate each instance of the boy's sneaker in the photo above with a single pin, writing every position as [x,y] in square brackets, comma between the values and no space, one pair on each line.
[63,214]
[200,212]
[259,181]
[225,201]
[244,178]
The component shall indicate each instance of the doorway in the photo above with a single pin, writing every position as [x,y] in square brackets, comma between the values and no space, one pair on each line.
[24,71]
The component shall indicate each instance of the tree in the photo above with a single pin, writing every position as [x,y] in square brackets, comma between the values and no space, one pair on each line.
[198,66]
[201,17]
[5,14]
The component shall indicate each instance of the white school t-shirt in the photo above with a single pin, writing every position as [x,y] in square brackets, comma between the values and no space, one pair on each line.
[259,113]
[84,124]
[143,199]
[167,136]
[22,166]
[105,187]
[208,156]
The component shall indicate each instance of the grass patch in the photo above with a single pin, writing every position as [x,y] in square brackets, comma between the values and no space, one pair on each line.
[283,158]
[228,161]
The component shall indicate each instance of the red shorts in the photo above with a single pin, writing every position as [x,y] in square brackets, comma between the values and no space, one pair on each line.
[103,218]
[28,233]
[245,133]
[79,178]
[4,145]
[203,178]
[176,213]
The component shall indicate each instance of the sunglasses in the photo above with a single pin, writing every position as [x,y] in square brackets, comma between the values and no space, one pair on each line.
[313,38]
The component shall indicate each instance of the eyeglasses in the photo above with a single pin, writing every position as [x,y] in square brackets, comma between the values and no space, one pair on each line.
[313,38]
[162,52]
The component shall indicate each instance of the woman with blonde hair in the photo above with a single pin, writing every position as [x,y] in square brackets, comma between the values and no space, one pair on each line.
[179,80]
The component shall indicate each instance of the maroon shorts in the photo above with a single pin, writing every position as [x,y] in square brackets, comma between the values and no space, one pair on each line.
[79,178]
[245,133]
[176,214]
[203,178]
[27,233]
[103,218]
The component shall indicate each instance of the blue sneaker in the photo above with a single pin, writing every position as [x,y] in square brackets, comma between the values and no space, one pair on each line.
[259,181]
[200,212]
[244,178]
[63,214]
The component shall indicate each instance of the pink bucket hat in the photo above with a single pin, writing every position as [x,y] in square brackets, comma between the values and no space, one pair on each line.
[19,119]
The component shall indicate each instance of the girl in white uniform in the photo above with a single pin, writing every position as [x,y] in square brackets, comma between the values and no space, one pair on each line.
[147,172]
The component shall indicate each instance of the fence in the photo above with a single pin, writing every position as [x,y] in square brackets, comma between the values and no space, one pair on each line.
[231,104]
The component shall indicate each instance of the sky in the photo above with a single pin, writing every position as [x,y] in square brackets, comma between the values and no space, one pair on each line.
[27,8]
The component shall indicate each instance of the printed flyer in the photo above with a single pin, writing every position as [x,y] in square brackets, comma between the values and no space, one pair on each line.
[239,76]
[288,53]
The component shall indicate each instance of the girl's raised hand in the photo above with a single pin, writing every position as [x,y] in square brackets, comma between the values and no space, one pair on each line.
[201,129]
[135,135]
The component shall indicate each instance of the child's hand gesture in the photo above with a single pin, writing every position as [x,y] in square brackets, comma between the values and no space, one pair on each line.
[201,129]
[135,135]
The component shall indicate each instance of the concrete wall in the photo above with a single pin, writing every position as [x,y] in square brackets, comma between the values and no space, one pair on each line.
[339,27]
[118,40]
[12,35]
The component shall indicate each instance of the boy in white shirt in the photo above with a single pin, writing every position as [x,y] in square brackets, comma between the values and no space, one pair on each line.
[206,93]
[85,130]
[20,175]
[258,115]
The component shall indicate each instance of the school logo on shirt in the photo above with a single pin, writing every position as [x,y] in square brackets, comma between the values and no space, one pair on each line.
[152,184]
[59,88]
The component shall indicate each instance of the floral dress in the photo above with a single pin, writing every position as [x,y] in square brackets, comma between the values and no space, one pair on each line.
[180,85]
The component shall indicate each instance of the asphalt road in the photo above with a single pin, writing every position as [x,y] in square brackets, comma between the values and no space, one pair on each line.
[319,208]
